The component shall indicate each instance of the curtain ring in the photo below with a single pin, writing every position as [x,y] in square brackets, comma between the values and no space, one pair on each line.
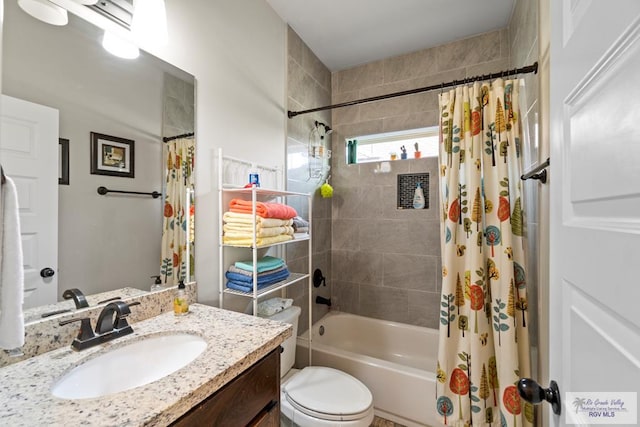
[441,88]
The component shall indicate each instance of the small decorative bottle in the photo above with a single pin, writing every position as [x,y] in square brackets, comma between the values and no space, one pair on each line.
[180,302]
[418,198]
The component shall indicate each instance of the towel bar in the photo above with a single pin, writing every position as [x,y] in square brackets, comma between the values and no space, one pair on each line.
[539,172]
[104,190]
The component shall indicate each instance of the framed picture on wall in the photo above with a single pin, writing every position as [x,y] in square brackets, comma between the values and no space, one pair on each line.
[111,155]
[63,161]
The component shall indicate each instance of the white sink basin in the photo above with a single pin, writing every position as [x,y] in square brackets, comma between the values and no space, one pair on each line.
[133,365]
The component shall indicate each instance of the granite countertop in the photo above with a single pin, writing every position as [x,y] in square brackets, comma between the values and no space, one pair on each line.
[35,314]
[235,342]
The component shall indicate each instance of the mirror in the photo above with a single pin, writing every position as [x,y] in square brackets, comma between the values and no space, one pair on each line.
[105,242]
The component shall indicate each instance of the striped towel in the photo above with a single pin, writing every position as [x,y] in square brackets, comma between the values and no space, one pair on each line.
[263,209]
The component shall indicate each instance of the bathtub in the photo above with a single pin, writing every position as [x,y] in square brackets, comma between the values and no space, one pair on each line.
[397,362]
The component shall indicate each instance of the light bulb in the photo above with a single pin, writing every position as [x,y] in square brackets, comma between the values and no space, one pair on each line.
[45,11]
[119,47]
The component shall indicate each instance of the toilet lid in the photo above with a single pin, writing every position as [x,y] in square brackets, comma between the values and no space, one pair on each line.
[328,394]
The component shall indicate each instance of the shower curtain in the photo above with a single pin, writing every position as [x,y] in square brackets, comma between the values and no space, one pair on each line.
[484,340]
[180,157]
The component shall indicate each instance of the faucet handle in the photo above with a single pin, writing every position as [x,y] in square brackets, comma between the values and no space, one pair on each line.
[121,318]
[114,317]
[85,332]
[78,297]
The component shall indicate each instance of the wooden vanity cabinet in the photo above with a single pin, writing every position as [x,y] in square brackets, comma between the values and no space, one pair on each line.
[251,399]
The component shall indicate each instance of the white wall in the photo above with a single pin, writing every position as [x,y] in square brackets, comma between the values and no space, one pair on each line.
[104,242]
[237,52]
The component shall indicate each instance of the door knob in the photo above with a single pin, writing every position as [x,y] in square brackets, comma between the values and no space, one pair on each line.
[534,393]
[47,272]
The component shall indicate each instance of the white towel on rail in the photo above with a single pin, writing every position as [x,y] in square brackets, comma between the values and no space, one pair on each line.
[11,272]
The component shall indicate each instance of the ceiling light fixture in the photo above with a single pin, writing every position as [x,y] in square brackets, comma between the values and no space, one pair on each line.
[149,22]
[119,47]
[45,11]
[86,2]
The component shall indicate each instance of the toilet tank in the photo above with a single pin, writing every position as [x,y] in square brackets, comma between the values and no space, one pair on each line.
[288,356]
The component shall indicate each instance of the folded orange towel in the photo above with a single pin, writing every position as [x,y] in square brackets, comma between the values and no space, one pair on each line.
[265,210]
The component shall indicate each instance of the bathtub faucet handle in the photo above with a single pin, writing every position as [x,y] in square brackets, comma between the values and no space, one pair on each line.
[318,278]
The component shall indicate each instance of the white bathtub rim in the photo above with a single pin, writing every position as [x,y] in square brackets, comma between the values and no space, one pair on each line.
[392,323]
[370,361]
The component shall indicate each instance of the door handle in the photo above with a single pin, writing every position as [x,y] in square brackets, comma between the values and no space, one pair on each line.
[534,393]
[47,272]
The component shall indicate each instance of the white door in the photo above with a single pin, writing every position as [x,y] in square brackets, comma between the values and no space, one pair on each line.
[29,155]
[594,324]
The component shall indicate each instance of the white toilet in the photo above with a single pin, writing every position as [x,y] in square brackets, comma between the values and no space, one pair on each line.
[317,396]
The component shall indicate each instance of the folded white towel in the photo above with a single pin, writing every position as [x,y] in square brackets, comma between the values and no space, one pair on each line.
[272,306]
[237,231]
[242,218]
[12,274]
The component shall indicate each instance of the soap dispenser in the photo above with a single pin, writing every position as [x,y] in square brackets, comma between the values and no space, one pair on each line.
[418,198]
[180,302]
[157,285]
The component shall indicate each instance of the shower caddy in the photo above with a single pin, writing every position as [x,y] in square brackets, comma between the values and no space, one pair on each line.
[231,186]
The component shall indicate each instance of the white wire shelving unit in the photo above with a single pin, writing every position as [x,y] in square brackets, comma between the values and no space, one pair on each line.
[232,174]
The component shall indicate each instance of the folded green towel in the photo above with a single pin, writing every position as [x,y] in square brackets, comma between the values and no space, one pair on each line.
[264,264]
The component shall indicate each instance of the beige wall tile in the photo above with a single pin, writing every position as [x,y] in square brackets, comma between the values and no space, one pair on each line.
[346,296]
[469,51]
[409,271]
[344,234]
[384,303]
[361,267]
[321,235]
[424,309]
[294,45]
[315,68]
[345,115]
[351,130]
[358,77]
[410,121]
[496,66]
[409,66]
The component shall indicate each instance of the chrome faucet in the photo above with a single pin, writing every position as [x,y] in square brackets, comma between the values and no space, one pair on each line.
[111,324]
[78,297]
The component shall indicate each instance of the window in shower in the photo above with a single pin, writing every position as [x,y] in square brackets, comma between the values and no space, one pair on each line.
[388,146]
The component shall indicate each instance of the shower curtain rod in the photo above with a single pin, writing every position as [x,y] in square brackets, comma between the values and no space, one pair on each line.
[524,70]
[171,138]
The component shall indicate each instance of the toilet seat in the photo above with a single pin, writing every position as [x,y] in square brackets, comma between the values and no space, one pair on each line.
[328,394]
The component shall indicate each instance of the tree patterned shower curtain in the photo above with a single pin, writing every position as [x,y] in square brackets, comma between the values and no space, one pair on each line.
[180,155]
[484,339]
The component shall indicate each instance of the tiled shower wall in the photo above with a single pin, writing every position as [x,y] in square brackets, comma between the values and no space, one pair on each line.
[523,38]
[178,114]
[309,86]
[386,262]
[379,261]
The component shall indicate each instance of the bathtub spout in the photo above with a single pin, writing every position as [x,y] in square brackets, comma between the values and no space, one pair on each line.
[321,300]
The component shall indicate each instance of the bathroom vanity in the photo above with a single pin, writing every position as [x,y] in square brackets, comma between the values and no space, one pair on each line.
[234,381]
